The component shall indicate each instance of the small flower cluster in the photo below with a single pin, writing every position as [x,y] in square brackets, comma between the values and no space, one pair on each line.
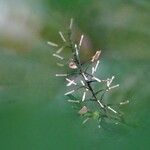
[84,80]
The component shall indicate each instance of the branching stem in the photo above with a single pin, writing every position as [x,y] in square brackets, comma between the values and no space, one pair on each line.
[82,72]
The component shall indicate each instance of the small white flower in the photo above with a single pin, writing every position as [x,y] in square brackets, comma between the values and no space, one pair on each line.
[77,51]
[61,75]
[85,120]
[58,56]
[81,40]
[52,44]
[59,50]
[82,83]
[112,87]
[124,103]
[96,65]
[112,78]
[100,104]
[62,37]
[73,101]
[71,23]
[69,92]
[83,97]
[109,81]
[93,70]
[71,82]
[112,109]
[85,77]
[97,79]
[60,65]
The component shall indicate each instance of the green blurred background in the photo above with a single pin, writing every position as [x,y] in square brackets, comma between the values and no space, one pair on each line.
[34,114]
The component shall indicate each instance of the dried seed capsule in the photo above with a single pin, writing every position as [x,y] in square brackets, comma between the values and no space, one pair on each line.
[83,110]
[72,65]
[96,56]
